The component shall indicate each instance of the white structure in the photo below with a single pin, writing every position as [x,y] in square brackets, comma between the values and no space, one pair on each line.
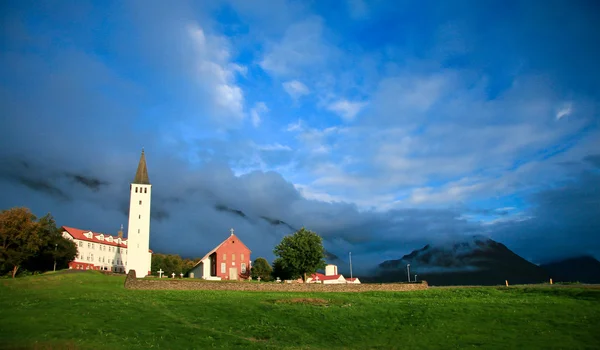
[331,276]
[97,251]
[138,230]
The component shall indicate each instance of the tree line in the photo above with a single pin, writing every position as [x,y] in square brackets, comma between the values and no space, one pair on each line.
[32,245]
[297,256]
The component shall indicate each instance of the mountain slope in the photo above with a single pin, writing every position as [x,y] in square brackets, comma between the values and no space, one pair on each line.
[584,269]
[473,261]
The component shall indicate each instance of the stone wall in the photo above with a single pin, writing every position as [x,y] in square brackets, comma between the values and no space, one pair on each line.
[193,284]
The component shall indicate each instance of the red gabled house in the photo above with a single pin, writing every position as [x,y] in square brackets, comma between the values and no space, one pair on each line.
[230,260]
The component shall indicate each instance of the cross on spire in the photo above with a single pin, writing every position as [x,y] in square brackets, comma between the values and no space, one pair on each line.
[231,231]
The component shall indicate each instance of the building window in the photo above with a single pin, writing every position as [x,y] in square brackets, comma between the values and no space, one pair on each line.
[243,268]
[138,230]
[81,244]
[232,257]
[140,202]
[223,267]
[89,245]
[242,257]
[224,256]
[145,190]
[93,246]
[136,190]
[139,216]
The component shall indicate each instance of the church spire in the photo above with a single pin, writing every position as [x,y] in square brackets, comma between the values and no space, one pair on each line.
[141,176]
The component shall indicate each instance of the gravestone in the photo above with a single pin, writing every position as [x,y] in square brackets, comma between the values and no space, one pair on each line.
[130,280]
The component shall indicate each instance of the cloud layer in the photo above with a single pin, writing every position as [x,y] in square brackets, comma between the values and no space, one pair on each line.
[382,126]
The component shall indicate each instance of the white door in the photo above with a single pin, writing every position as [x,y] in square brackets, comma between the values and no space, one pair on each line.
[233,275]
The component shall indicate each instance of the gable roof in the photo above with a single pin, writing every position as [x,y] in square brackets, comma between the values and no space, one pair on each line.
[219,246]
[323,277]
[81,235]
[141,175]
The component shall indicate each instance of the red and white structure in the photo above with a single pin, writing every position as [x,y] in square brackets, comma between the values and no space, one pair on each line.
[331,276]
[230,260]
[99,251]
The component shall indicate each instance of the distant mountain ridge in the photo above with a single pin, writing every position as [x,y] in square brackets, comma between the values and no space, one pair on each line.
[475,260]
[584,269]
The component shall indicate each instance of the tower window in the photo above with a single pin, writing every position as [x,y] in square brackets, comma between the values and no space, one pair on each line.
[140,202]
[139,216]
[145,190]
[136,190]
[138,230]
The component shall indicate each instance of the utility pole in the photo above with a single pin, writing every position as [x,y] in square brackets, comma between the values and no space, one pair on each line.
[408,271]
[55,247]
[350,264]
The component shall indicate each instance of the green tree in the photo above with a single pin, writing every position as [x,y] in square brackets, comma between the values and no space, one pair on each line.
[262,269]
[19,237]
[301,253]
[280,271]
[54,248]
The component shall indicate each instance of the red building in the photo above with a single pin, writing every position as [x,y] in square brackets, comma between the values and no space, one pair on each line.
[230,260]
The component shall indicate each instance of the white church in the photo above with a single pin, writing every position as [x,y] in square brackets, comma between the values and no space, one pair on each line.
[98,251]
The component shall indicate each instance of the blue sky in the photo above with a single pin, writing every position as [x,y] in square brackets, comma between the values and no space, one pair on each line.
[382,125]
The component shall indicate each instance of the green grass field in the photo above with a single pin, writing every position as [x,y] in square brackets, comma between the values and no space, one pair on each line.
[92,311]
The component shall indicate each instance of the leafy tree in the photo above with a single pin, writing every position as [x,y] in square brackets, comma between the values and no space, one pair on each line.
[301,253]
[262,269]
[54,248]
[280,271]
[19,237]
[170,263]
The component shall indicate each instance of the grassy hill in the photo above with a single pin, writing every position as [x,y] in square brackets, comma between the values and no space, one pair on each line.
[88,310]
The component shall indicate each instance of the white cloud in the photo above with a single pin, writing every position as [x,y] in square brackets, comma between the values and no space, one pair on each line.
[273,147]
[215,73]
[564,111]
[259,109]
[346,109]
[295,89]
[301,48]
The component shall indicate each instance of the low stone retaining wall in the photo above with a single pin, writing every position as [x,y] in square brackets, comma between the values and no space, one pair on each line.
[193,284]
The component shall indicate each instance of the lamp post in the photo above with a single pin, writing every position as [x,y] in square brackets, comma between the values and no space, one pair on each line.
[350,264]
[408,271]
[55,247]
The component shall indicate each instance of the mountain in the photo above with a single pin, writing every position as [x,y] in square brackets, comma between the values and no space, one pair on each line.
[584,269]
[477,260]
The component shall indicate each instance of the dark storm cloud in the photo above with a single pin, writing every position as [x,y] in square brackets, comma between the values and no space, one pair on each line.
[92,183]
[564,222]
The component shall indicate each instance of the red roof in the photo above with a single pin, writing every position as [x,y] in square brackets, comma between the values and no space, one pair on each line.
[80,235]
[322,277]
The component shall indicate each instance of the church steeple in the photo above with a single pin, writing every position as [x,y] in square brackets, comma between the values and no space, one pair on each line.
[141,176]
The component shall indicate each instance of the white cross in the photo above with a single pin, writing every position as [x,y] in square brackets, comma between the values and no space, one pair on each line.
[181,275]
[173,274]
[160,272]
[231,231]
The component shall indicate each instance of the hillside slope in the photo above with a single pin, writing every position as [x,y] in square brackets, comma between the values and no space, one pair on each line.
[473,261]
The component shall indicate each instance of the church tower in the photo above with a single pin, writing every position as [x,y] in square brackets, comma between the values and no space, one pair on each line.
[138,256]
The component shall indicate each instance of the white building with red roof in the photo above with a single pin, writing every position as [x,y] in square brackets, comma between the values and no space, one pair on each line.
[99,251]
[331,276]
